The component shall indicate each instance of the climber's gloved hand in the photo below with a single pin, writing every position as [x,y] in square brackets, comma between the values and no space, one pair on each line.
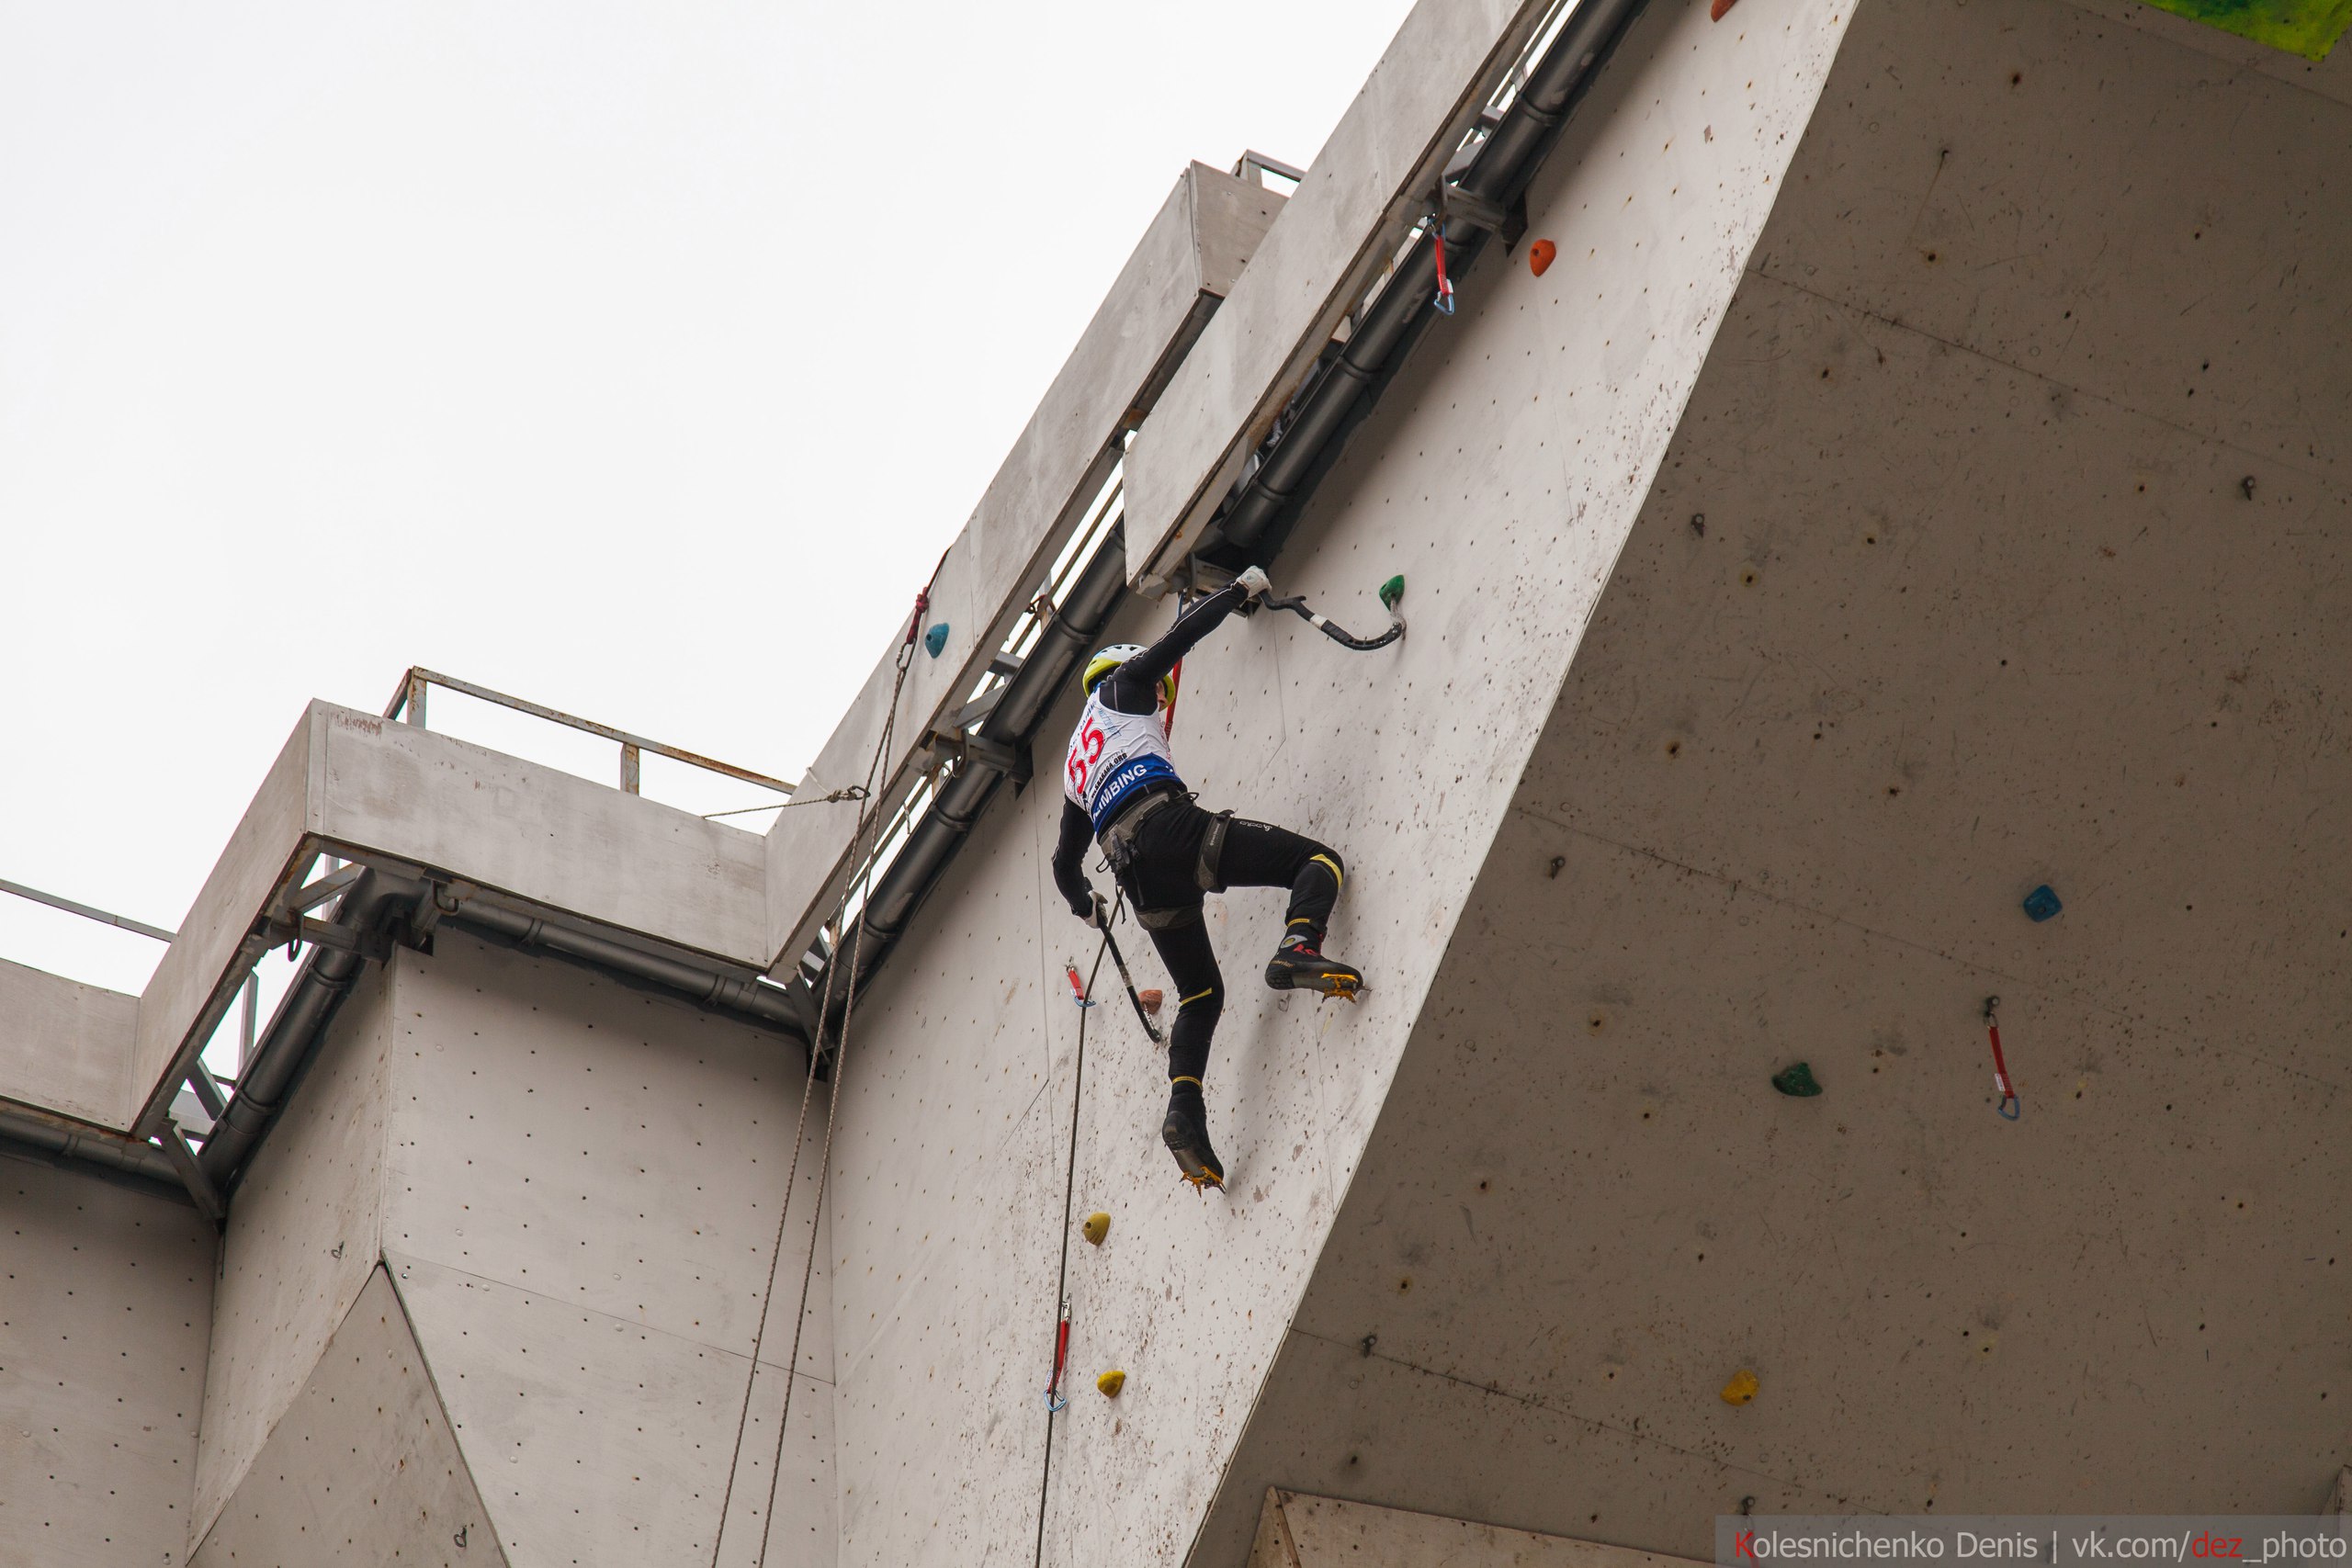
[1254,582]
[1099,917]
[1082,905]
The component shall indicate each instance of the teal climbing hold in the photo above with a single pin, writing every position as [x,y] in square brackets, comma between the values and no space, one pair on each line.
[935,639]
[1392,591]
[1797,1081]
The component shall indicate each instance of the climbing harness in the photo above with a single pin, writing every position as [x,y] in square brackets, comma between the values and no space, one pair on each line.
[1055,1402]
[1445,284]
[864,798]
[2010,1106]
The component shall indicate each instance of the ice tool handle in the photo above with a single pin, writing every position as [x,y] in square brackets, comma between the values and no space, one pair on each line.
[1391,593]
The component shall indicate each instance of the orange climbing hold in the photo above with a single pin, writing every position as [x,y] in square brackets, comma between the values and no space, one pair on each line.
[1151,1001]
[1540,255]
[1715,12]
[1742,1387]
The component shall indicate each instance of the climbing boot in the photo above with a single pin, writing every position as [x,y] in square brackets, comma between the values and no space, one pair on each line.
[1299,966]
[1186,1133]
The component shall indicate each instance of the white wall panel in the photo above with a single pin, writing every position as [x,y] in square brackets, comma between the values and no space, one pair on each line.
[594,1439]
[362,1468]
[105,1296]
[303,1234]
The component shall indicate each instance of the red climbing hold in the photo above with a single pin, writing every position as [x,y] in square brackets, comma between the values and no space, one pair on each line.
[1540,255]
[1715,12]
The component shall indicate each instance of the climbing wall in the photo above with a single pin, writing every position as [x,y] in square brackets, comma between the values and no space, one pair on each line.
[1500,478]
[1951,586]
[301,1239]
[361,1467]
[583,1201]
[105,1294]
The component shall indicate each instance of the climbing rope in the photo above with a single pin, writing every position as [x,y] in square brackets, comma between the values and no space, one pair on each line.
[865,797]
[1053,1403]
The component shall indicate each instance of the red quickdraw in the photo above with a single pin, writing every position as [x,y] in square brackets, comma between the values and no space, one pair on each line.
[1055,1402]
[1445,284]
[2010,1106]
[1078,987]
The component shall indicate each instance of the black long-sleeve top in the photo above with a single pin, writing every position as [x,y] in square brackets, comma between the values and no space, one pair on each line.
[1134,687]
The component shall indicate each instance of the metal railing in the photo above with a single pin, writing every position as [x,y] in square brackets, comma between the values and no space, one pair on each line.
[87,913]
[408,706]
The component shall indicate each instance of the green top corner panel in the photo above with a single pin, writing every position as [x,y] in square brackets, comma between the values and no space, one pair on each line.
[2308,28]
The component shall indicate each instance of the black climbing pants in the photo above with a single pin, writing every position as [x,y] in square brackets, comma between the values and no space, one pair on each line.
[1165,878]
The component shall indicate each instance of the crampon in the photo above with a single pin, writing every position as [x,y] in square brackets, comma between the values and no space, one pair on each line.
[1296,966]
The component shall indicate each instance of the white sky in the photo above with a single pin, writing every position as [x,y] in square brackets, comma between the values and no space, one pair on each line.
[637,360]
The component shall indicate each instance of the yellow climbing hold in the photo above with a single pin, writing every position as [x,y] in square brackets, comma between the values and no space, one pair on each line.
[1742,1387]
[1110,1382]
[1097,1227]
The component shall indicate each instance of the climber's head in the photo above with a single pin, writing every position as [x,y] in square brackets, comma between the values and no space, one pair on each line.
[1099,668]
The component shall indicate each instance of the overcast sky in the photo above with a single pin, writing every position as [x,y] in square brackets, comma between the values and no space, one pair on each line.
[640,360]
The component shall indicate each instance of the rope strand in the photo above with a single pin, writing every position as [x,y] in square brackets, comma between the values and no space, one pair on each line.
[864,796]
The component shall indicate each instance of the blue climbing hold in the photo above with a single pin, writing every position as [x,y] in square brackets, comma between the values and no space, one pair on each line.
[935,639]
[2042,903]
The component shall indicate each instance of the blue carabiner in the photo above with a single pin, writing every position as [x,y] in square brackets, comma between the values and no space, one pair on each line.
[1054,1407]
[2010,1108]
[1445,301]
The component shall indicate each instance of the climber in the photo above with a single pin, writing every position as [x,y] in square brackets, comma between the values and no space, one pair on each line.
[1121,789]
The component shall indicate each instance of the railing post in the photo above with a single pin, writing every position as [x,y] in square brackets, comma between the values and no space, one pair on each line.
[628,768]
[249,1024]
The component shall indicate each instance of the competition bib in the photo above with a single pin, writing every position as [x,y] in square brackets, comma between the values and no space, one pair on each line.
[1111,755]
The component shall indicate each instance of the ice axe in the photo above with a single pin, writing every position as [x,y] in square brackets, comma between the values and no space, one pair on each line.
[1390,592]
[1102,914]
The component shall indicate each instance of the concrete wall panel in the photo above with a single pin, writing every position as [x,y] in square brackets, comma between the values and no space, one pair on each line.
[1325,1533]
[582,1212]
[105,1298]
[595,1439]
[303,1232]
[1958,200]
[65,1046]
[946,1210]
[1902,631]
[362,1468]
[2330,78]
[556,839]
[621,1151]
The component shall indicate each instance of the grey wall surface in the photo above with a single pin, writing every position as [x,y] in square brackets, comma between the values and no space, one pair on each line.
[105,1298]
[582,1203]
[362,1468]
[1501,480]
[304,1232]
[1295,1531]
[1946,588]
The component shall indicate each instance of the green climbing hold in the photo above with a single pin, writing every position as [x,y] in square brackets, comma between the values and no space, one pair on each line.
[1392,591]
[1797,1081]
